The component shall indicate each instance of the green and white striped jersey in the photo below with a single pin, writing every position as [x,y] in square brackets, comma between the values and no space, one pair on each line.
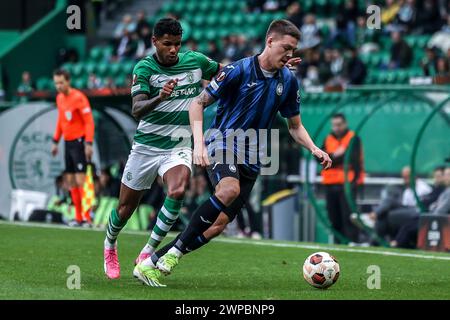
[156,130]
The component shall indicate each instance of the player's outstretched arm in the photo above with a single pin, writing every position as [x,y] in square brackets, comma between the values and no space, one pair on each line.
[142,105]
[301,136]
[204,99]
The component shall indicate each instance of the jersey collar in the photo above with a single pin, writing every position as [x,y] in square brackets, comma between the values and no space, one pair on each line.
[259,72]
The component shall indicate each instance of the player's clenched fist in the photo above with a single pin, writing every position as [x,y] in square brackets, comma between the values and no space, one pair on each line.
[200,155]
[167,90]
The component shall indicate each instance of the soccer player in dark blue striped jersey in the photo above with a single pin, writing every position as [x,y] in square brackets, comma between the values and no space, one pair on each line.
[250,92]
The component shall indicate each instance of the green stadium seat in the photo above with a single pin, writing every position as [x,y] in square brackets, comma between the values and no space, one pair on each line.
[114,69]
[402,76]
[127,67]
[90,67]
[211,20]
[165,8]
[191,8]
[199,20]
[217,6]
[321,7]
[203,46]
[68,67]
[224,19]
[80,83]
[96,54]
[44,84]
[230,6]
[77,69]
[178,7]
[307,5]
[238,19]
[121,81]
[204,7]
[210,34]
[102,69]
[197,34]
[107,52]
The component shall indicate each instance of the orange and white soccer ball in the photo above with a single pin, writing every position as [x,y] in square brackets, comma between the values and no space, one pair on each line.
[321,270]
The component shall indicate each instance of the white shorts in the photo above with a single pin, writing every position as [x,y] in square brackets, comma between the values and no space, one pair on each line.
[142,167]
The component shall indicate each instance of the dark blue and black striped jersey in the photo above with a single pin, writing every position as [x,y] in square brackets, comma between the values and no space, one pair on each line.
[248,102]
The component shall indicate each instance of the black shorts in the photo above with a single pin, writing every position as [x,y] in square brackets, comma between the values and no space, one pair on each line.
[246,177]
[74,156]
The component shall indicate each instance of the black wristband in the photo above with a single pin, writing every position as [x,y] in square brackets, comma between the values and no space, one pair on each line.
[55,141]
[89,143]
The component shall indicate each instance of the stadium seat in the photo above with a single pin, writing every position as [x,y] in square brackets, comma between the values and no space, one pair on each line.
[96,54]
[127,67]
[102,69]
[44,84]
[80,83]
[90,67]
[114,69]
[77,69]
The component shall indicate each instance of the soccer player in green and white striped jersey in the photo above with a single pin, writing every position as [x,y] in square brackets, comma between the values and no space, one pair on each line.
[163,86]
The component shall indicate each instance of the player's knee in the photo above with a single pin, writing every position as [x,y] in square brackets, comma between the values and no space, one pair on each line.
[228,193]
[176,191]
[125,210]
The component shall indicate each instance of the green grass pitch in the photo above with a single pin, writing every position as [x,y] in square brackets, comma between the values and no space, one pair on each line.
[34,261]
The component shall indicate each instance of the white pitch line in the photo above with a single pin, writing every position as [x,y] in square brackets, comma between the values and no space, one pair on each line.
[248,242]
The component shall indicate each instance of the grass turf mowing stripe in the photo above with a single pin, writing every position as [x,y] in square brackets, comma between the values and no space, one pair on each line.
[269,243]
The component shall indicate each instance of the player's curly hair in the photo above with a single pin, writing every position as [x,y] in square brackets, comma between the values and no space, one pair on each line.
[167,26]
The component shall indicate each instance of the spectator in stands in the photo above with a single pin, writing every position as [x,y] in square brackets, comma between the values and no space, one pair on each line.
[308,70]
[428,18]
[366,39]
[295,14]
[345,25]
[389,12]
[354,69]
[336,145]
[230,47]
[429,62]
[337,68]
[126,24]
[26,87]
[397,205]
[127,46]
[437,188]
[271,5]
[443,68]
[110,83]
[441,39]
[255,6]
[144,44]
[407,15]
[142,24]
[62,190]
[109,186]
[407,235]
[214,52]
[192,45]
[310,33]
[325,73]
[94,82]
[401,52]
[442,204]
